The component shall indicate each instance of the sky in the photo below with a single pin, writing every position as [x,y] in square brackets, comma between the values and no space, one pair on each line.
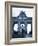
[28,11]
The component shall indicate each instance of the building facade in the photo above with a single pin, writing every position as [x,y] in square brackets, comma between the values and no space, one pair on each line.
[22,20]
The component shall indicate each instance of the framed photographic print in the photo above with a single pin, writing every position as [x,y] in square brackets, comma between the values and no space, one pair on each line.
[20,22]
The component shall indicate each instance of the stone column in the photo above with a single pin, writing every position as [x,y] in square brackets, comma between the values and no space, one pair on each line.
[19,29]
[25,28]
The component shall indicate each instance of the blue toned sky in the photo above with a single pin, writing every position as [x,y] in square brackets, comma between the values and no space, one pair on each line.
[28,11]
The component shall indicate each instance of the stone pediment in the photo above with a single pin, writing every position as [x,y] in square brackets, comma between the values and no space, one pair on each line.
[22,15]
